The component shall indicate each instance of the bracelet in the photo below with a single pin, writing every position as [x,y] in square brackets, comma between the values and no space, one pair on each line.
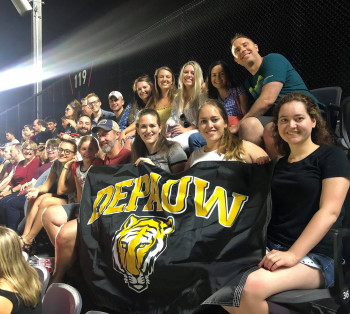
[65,168]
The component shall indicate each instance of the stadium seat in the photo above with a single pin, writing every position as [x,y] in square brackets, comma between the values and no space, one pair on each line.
[331,97]
[344,140]
[96,312]
[62,298]
[299,300]
[25,255]
[44,277]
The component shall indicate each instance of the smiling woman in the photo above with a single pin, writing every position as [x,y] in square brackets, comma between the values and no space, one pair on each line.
[165,92]
[151,146]
[186,103]
[308,188]
[221,143]
[24,173]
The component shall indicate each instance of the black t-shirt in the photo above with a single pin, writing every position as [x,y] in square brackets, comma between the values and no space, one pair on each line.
[296,191]
[18,306]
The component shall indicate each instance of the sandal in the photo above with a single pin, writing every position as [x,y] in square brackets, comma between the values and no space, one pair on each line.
[29,248]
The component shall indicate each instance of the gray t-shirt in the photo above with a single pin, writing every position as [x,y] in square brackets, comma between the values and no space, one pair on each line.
[165,161]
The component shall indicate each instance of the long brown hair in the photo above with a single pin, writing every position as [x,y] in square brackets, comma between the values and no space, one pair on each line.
[15,269]
[319,134]
[230,145]
[138,102]
[158,93]
[139,148]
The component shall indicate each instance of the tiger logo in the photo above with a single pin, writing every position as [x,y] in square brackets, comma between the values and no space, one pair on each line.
[137,245]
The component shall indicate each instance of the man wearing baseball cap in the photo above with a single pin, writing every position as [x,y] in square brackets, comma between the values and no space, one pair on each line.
[116,103]
[108,137]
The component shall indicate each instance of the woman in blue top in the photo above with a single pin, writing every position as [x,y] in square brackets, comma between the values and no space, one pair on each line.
[222,87]
[308,188]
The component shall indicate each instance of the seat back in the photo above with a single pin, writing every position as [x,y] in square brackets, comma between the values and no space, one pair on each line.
[331,97]
[345,123]
[44,277]
[62,298]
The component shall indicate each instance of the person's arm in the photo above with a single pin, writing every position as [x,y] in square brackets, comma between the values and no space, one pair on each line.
[5,182]
[144,159]
[265,101]
[244,102]
[178,167]
[6,305]
[65,185]
[188,163]
[44,188]
[254,154]
[79,189]
[333,194]
[72,123]
[179,129]
[130,128]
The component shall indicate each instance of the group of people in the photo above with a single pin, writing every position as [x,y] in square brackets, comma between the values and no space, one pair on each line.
[175,128]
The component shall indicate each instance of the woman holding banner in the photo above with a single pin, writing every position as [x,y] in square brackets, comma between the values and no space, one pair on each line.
[309,187]
[151,146]
[222,145]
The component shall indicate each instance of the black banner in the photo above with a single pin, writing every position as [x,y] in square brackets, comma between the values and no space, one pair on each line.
[153,242]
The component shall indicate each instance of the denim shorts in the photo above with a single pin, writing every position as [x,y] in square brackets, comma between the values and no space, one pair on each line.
[315,260]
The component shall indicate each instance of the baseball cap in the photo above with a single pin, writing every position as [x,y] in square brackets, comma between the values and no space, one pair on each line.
[116,94]
[106,125]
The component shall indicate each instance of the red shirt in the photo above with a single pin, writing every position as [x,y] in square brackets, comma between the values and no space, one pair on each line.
[24,174]
[122,158]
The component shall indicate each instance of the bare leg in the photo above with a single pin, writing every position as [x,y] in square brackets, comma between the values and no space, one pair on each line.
[32,210]
[37,224]
[251,130]
[53,217]
[263,283]
[65,253]
[269,141]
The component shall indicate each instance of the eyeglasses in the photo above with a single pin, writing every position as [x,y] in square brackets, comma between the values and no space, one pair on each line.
[41,148]
[51,148]
[65,151]
[93,103]
[67,109]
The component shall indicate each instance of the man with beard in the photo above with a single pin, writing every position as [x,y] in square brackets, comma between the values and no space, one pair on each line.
[84,125]
[55,218]
[108,137]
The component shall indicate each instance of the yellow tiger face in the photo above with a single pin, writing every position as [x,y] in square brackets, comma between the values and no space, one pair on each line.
[136,246]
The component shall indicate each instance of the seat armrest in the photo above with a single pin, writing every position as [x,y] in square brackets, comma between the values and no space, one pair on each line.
[340,290]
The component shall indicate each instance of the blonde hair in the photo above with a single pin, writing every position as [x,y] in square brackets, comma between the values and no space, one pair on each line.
[15,269]
[196,90]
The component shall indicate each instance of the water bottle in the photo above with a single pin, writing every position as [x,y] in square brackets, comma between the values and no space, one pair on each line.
[171,122]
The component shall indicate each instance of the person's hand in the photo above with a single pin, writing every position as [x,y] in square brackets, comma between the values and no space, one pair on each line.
[234,128]
[122,136]
[275,259]
[5,192]
[147,160]
[178,129]
[23,186]
[32,193]
[68,164]
[262,160]
[65,136]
